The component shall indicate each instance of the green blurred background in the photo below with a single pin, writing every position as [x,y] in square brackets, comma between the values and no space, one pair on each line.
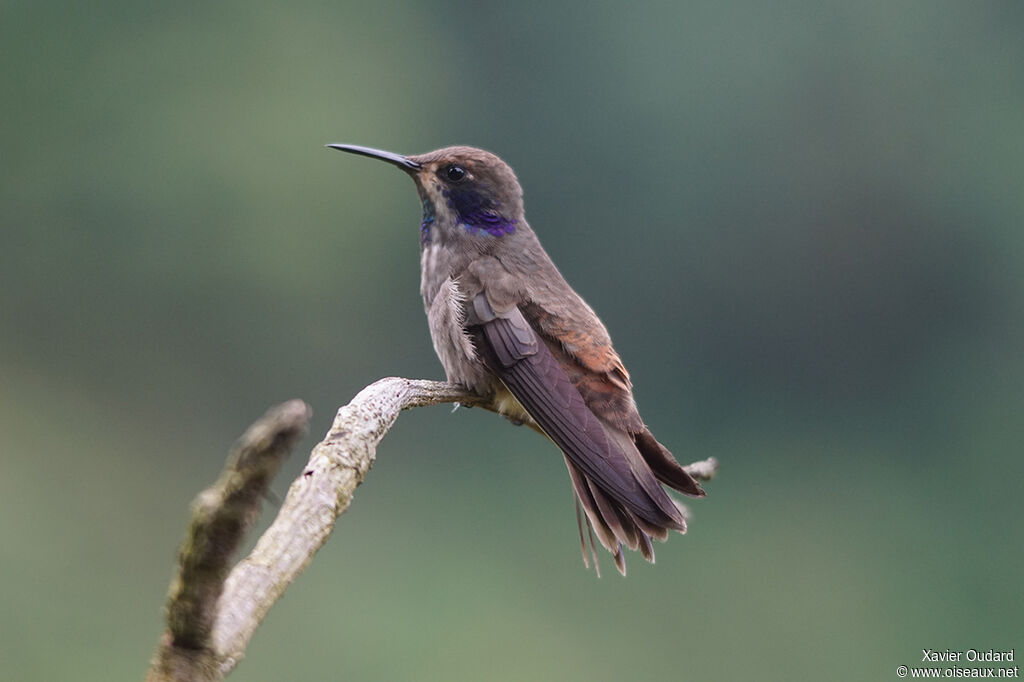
[801,221]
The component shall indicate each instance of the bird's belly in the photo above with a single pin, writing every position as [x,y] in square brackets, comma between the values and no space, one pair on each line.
[507,405]
[446,314]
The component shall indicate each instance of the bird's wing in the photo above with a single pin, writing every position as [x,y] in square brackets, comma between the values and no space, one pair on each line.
[585,339]
[512,349]
[581,344]
[573,331]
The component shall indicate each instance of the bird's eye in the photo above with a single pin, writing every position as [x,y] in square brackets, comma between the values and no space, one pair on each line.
[455,173]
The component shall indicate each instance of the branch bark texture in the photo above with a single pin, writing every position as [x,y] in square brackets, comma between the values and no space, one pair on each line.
[324,490]
[212,618]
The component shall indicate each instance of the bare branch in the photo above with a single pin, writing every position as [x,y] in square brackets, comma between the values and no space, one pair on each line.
[212,619]
[316,498]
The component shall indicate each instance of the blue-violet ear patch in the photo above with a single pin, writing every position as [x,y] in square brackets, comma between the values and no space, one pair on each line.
[477,213]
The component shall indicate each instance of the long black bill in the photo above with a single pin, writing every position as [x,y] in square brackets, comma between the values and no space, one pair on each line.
[403,162]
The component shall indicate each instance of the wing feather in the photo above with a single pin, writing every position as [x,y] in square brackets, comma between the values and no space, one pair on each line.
[532,374]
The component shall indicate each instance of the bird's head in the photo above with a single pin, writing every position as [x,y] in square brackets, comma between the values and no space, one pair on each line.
[468,194]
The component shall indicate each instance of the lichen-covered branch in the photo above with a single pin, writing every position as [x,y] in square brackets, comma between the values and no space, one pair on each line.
[221,516]
[211,619]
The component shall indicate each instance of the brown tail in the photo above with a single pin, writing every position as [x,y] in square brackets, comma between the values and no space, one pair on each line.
[665,466]
[615,525]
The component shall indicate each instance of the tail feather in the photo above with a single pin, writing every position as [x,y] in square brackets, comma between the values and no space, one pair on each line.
[593,547]
[669,515]
[620,561]
[646,548]
[613,525]
[594,518]
[658,533]
[620,524]
[664,465]
[584,545]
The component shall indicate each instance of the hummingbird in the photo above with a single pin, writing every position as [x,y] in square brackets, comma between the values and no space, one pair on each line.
[507,326]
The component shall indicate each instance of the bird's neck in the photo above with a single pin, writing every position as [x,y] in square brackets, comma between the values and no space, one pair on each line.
[427,222]
[434,270]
